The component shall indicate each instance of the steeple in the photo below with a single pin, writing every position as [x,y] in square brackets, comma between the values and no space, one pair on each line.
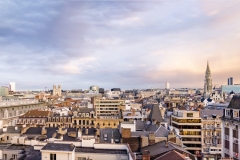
[208,83]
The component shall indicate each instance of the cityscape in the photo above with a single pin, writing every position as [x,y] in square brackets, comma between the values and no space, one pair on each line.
[112,80]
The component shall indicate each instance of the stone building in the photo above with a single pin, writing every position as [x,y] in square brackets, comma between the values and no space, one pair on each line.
[57,90]
[10,110]
[230,130]
[84,118]
[33,118]
[211,134]
[208,88]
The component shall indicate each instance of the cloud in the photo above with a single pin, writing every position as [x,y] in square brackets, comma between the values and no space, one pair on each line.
[118,44]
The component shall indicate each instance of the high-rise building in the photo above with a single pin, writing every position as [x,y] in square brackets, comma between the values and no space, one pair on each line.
[230,81]
[208,83]
[167,85]
[12,86]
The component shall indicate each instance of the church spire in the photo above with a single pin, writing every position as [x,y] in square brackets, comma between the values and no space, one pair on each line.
[208,83]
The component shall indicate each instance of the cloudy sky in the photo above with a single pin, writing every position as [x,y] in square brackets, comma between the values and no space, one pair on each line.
[128,44]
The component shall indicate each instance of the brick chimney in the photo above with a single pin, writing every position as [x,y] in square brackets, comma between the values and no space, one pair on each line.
[145,155]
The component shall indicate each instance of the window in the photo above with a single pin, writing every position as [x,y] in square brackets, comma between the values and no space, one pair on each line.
[82,158]
[189,114]
[227,113]
[235,114]
[53,157]
[7,137]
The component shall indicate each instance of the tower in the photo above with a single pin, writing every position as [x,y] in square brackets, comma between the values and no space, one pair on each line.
[208,83]
[57,90]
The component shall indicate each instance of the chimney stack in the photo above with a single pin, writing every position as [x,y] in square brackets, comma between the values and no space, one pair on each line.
[146,155]
[166,144]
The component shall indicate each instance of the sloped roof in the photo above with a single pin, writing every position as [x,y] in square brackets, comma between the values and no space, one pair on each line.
[171,155]
[140,125]
[151,127]
[235,102]
[209,113]
[160,132]
[158,149]
[155,114]
[36,113]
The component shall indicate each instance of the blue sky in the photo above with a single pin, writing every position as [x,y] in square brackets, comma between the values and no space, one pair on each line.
[128,44]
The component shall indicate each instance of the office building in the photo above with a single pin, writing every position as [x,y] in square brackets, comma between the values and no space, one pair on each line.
[12,86]
[167,85]
[107,112]
[94,88]
[189,125]
[4,91]
[230,81]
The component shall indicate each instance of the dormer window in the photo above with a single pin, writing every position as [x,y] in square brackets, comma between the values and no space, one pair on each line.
[227,113]
[235,114]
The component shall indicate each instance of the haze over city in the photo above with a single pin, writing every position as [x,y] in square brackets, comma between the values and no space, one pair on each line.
[118,44]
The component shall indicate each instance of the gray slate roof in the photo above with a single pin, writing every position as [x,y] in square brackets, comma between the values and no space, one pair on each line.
[160,132]
[140,125]
[109,131]
[209,113]
[235,102]
[58,147]
[155,114]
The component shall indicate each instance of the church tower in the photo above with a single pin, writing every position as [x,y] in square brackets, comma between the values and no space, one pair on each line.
[208,83]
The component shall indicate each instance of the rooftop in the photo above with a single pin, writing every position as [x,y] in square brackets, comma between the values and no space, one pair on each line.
[36,113]
[235,103]
[104,151]
[58,147]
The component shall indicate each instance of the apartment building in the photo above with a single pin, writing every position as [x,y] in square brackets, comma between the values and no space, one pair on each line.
[189,124]
[211,134]
[107,112]
[230,130]
[11,109]
[108,107]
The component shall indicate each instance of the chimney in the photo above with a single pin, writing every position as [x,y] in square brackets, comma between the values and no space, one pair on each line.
[145,155]
[80,133]
[71,146]
[166,144]
[86,131]
[133,112]
[112,140]
[5,129]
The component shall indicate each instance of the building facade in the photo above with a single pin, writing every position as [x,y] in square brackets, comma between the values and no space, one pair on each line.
[4,91]
[10,110]
[211,134]
[57,90]
[189,125]
[230,130]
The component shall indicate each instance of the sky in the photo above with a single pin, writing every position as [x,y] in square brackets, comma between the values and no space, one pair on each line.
[127,44]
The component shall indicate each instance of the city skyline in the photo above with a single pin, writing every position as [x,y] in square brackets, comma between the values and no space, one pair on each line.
[129,45]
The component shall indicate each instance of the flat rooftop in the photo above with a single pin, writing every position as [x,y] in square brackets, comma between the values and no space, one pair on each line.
[58,147]
[104,151]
